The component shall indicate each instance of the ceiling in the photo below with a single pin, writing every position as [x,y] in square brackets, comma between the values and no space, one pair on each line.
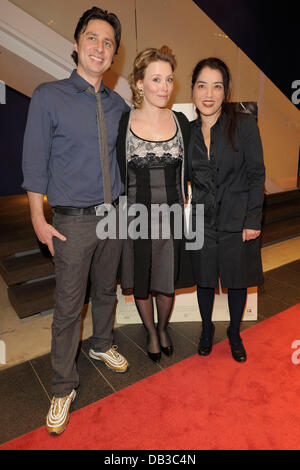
[20,74]
[62,16]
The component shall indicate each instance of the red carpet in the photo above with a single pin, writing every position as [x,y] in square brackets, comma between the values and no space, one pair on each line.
[200,403]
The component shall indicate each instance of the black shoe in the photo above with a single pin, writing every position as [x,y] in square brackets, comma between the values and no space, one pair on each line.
[206,343]
[167,350]
[154,356]
[237,349]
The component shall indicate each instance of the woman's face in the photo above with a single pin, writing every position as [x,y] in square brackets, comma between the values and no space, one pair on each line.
[157,85]
[208,92]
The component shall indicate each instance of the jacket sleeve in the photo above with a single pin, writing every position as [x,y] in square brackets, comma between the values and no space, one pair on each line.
[121,146]
[185,129]
[255,169]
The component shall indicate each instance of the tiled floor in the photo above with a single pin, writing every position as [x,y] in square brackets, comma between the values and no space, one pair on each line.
[25,388]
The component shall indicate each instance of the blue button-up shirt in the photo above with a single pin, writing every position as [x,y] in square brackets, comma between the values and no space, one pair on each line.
[61,150]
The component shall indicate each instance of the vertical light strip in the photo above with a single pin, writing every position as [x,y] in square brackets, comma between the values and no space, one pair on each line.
[261,91]
[238,90]
[136,33]
[2,92]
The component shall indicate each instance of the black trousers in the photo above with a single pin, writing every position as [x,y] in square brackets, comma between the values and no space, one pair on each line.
[83,254]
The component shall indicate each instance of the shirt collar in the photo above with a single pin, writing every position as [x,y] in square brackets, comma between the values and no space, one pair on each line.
[221,119]
[80,84]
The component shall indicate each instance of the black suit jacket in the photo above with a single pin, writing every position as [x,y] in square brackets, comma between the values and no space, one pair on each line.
[233,187]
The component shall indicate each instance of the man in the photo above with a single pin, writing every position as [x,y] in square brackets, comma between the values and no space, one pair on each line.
[67,156]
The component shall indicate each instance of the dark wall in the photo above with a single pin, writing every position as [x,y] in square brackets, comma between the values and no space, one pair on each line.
[267,32]
[13,116]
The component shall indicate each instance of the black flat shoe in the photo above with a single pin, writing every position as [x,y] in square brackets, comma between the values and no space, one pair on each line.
[206,343]
[237,350]
[154,356]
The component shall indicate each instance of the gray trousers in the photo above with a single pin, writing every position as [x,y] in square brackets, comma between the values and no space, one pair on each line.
[82,254]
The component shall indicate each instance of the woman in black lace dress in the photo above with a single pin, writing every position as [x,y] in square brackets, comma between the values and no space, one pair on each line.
[152,158]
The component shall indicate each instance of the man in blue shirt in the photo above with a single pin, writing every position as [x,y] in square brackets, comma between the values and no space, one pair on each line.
[62,159]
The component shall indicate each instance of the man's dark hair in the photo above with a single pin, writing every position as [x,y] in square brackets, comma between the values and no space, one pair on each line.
[96,13]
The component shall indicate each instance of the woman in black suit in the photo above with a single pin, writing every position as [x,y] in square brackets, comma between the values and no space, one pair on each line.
[227,174]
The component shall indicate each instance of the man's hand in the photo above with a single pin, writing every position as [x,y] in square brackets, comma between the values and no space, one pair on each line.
[44,231]
[249,234]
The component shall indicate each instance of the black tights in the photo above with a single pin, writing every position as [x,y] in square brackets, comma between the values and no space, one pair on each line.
[236,302]
[164,304]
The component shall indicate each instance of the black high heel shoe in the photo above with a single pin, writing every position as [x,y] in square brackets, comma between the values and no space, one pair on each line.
[206,343]
[153,355]
[237,349]
[167,350]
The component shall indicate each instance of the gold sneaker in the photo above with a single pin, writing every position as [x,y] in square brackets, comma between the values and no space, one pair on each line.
[112,359]
[58,415]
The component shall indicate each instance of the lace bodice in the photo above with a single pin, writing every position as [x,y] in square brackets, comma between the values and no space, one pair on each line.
[145,153]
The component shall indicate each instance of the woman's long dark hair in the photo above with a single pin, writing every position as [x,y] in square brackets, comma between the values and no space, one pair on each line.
[217,64]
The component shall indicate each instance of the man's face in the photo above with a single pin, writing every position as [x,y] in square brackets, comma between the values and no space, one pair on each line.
[95,48]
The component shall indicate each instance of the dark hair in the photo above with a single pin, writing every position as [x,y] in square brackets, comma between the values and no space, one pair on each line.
[96,13]
[217,64]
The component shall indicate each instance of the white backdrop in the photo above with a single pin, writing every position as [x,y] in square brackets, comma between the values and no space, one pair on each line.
[186,307]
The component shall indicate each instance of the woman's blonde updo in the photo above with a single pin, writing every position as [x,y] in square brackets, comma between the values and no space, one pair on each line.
[141,62]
